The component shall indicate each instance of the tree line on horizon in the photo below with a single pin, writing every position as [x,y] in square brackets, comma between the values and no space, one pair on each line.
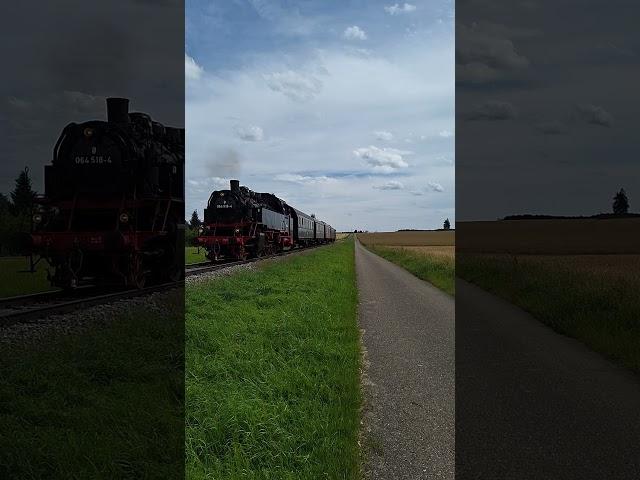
[619,208]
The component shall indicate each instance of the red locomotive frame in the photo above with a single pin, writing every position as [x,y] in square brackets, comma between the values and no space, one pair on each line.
[124,248]
[242,241]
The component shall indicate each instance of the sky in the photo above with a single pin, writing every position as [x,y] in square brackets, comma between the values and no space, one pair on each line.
[344,109]
[547,106]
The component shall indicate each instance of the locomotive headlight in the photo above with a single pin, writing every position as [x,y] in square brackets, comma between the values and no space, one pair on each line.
[124,217]
[37,218]
[88,132]
[237,230]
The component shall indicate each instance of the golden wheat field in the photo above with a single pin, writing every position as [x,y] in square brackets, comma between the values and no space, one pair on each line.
[440,251]
[610,266]
[410,238]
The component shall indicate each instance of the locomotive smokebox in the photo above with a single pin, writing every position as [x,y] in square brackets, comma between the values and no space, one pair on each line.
[235,185]
[118,110]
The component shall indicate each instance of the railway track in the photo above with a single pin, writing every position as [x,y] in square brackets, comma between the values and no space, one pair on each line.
[203,267]
[30,308]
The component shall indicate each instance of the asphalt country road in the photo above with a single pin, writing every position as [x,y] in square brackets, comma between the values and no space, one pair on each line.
[408,338]
[533,404]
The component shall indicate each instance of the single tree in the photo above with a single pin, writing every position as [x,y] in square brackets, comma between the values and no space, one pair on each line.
[195,222]
[447,224]
[23,195]
[620,203]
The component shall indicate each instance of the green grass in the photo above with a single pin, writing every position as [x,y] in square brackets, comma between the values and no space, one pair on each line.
[600,310]
[438,271]
[16,279]
[103,404]
[273,371]
[192,255]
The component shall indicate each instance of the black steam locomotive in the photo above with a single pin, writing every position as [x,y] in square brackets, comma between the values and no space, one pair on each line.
[240,223]
[113,206]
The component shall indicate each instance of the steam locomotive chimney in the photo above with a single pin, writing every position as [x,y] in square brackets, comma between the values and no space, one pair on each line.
[118,110]
[235,185]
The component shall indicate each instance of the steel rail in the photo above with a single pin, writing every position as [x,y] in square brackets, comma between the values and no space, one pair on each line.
[204,267]
[29,308]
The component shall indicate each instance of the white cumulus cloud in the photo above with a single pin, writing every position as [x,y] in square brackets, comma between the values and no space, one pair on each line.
[383,135]
[297,86]
[210,183]
[553,127]
[397,9]
[383,160]
[431,187]
[392,185]
[493,110]
[304,179]
[250,133]
[354,33]
[596,115]
[435,187]
[484,54]
[192,71]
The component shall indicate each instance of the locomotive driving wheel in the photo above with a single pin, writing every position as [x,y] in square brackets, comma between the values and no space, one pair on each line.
[175,271]
[137,277]
[171,266]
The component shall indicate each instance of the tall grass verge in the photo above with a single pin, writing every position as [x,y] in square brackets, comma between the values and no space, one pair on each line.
[103,404]
[194,255]
[599,308]
[273,371]
[16,279]
[437,270]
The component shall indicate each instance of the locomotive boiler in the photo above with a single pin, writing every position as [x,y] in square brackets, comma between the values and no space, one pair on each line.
[240,223]
[113,205]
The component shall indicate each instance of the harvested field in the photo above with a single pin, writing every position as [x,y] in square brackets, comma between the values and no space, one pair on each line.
[559,236]
[410,238]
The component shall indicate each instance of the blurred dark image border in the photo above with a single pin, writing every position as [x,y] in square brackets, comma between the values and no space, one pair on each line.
[548,240]
[92,202]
